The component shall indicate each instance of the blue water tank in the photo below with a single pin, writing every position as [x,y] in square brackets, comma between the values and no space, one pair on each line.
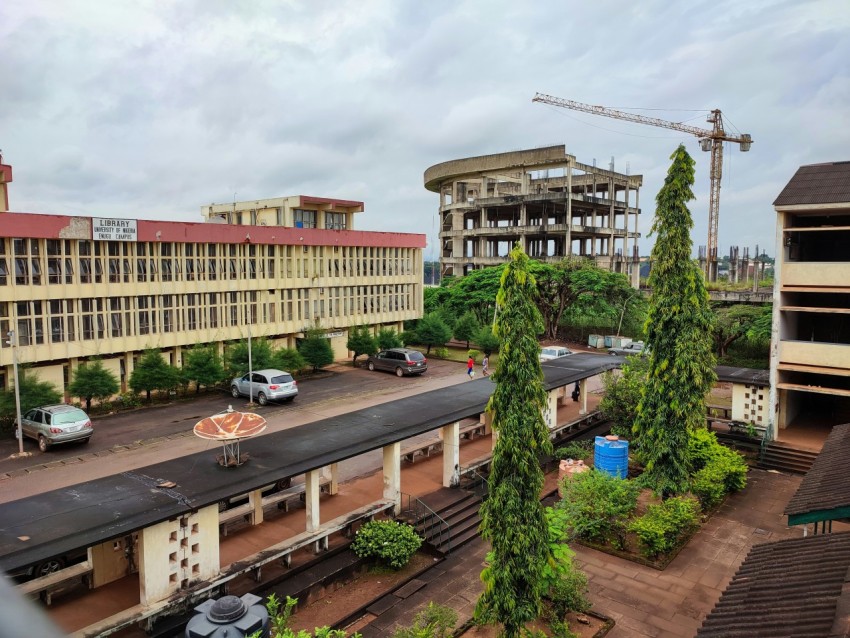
[611,455]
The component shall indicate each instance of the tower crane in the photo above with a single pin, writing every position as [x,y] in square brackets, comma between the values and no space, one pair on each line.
[709,140]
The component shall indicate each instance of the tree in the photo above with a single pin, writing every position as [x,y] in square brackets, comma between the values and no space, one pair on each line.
[153,373]
[288,359]
[388,338]
[315,349]
[679,328]
[93,381]
[236,356]
[202,365]
[33,393]
[361,341]
[466,327]
[432,331]
[734,322]
[512,518]
[623,393]
[759,331]
[486,341]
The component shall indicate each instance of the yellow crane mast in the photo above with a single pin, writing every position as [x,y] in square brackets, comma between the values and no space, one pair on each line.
[709,140]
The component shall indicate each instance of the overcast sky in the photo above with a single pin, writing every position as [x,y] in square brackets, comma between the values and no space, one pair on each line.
[149,109]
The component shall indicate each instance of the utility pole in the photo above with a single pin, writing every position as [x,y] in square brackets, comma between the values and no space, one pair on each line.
[13,341]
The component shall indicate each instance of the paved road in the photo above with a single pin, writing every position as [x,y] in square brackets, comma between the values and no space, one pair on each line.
[137,438]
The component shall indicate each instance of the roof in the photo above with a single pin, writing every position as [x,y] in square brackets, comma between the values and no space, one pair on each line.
[817,184]
[792,588]
[824,493]
[749,376]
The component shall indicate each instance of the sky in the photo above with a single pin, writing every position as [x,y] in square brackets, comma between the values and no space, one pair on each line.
[151,109]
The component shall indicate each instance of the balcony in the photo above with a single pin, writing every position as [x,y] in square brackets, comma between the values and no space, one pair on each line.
[822,274]
[814,354]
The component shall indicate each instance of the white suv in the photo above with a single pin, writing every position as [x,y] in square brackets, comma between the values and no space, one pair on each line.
[265,385]
[554,352]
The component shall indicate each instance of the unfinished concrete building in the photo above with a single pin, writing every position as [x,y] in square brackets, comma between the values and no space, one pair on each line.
[553,205]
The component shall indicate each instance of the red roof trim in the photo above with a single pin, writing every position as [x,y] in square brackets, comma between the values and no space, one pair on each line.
[37,226]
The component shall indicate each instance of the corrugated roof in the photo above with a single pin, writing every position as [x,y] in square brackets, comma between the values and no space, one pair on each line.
[791,588]
[817,184]
[749,376]
[827,485]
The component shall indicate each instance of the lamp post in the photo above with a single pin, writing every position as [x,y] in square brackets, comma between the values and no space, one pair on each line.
[13,341]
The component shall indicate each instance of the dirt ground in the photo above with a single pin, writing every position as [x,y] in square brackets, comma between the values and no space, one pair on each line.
[350,596]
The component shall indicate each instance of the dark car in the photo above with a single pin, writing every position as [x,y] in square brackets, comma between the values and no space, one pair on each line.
[636,347]
[399,360]
[53,424]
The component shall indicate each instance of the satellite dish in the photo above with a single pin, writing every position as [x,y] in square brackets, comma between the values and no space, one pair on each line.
[230,427]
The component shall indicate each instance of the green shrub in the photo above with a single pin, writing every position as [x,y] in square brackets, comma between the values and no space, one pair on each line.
[716,469]
[575,450]
[597,506]
[390,542]
[663,525]
[128,400]
[561,581]
[435,621]
[440,353]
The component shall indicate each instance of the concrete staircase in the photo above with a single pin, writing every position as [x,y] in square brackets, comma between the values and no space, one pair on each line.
[449,519]
[784,458]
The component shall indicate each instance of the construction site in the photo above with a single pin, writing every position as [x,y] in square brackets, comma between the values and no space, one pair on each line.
[553,205]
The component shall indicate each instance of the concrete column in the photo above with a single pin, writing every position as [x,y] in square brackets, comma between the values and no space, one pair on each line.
[311,499]
[333,470]
[582,388]
[550,412]
[451,454]
[392,474]
[255,499]
[569,246]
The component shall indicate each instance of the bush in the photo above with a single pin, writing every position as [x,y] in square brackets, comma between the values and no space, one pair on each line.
[561,581]
[129,400]
[390,542]
[435,621]
[597,506]
[575,450]
[663,525]
[717,470]
[441,353]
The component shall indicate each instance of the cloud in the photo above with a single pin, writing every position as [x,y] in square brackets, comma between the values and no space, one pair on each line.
[153,109]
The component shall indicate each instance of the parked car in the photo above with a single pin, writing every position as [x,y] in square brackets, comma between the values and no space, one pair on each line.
[554,352]
[399,360]
[265,385]
[636,347]
[54,424]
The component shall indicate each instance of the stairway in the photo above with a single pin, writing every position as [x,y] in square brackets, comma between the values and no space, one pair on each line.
[452,521]
[784,458]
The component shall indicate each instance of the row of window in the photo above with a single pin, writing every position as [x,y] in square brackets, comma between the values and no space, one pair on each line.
[61,320]
[303,218]
[124,262]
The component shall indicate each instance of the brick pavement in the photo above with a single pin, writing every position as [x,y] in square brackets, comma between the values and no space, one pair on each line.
[643,601]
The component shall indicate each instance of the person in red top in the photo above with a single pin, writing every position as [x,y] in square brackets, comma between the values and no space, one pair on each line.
[470,367]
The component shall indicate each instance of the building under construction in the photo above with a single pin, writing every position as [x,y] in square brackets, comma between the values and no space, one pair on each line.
[543,198]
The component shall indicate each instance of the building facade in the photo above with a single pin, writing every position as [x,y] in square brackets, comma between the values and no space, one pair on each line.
[543,198]
[810,348]
[76,287]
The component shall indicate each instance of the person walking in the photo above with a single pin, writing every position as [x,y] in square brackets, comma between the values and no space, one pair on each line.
[485,366]
[470,367]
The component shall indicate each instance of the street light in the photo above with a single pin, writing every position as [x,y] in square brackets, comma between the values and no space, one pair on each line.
[13,341]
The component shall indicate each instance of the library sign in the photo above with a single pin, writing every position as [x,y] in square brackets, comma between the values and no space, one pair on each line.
[106,229]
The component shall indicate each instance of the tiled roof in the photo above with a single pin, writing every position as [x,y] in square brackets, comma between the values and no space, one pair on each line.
[749,376]
[827,485]
[817,184]
[791,588]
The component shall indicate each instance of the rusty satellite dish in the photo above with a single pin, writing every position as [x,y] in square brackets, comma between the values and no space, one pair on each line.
[230,427]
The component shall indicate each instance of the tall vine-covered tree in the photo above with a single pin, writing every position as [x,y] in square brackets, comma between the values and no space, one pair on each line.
[679,329]
[513,520]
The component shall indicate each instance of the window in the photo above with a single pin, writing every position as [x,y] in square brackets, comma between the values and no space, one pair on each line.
[305,218]
[335,221]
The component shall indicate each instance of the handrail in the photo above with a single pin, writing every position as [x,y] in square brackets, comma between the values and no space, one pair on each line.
[421,513]
[479,480]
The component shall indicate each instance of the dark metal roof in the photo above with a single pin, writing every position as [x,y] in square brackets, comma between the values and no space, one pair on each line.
[817,184]
[824,492]
[63,520]
[793,588]
[750,376]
